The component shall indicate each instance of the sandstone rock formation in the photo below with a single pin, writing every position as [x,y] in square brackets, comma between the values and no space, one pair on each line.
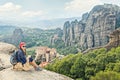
[5,51]
[53,39]
[94,28]
[6,48]
[114,41]
[45,54]
[9,74]
[57,36]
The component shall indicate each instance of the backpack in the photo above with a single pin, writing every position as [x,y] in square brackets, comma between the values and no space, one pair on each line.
[13,58]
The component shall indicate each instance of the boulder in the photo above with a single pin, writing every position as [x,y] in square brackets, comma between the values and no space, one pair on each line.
[7,48]
[5,51]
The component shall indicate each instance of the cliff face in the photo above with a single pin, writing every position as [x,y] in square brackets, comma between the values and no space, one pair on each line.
[114,39]
[57,36]
[94,28]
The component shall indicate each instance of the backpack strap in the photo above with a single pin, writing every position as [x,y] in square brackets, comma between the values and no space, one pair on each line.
[16,55]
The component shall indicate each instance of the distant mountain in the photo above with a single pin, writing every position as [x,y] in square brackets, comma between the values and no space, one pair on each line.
[6,29]
[54,23]
[42,24]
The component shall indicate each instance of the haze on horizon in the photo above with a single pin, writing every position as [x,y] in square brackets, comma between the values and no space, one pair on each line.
[27,11]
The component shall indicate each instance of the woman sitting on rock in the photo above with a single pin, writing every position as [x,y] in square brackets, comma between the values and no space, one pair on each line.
[23,60]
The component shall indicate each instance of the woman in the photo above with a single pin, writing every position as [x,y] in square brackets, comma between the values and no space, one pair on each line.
[21,57]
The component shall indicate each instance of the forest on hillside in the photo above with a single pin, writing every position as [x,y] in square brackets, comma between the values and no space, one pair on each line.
[98,64]
[37,37]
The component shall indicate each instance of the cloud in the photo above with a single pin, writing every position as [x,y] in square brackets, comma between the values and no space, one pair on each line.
[7,7]
[81,6]
[11,11]
[32,13]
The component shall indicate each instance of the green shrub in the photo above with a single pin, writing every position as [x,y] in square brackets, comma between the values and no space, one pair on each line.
[109,75]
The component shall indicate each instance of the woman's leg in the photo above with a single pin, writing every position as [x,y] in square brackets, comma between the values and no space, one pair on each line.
[33,64]
[36,67]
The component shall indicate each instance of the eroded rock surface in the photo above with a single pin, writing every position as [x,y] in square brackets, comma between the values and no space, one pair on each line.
[94,28]
[8,74]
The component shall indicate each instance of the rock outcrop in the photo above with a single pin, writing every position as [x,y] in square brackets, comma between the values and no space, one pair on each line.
[9,74]
[54,39]
[45,54]
[4,61]
[114,41]
[6,48]
[57,36]
[5,51]
[94,28]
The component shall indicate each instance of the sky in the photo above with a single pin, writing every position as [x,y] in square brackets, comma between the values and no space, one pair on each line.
[27,10]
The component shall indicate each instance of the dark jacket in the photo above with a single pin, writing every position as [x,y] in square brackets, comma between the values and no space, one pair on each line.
[21,57]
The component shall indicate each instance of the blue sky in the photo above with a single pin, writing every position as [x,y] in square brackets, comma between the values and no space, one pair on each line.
[26,10]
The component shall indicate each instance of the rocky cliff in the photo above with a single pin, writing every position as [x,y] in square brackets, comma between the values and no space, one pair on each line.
[7,73]
[57,36]
[94,28]
[114,41]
